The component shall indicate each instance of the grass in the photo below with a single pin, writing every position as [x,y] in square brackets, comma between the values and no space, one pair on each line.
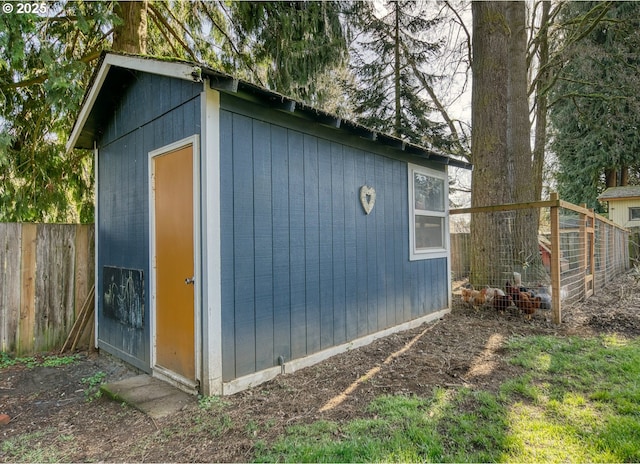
[578,400]
[32,447]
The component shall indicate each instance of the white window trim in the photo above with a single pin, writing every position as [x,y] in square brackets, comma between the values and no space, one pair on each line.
[432,252]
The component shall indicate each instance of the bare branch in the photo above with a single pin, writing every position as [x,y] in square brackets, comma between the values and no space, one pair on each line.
[464,28]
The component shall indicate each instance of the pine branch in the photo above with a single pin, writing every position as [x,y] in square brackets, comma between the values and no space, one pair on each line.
[41,78]
[160,20]
[166,37]
[241,55]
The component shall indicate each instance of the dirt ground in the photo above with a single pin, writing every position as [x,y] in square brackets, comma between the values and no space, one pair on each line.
[463,349]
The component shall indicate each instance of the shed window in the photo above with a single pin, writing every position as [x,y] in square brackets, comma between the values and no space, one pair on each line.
[634,214]
[428,200]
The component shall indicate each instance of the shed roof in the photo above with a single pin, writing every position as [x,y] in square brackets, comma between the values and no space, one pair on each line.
[620,193]
[105,89]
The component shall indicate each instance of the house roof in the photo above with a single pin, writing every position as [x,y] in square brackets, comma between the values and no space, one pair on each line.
[105,89]
[620,193]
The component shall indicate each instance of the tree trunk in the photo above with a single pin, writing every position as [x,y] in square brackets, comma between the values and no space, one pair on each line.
[518,126]
[624,175]
[131,35]
[490,183]
[501,242]
[541,101]
[611,176]
[525,255]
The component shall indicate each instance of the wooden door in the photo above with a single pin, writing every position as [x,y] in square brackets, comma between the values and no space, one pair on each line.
[174,262]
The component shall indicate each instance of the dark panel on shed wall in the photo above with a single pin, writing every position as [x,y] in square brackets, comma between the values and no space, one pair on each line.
[152,113]
[337,273]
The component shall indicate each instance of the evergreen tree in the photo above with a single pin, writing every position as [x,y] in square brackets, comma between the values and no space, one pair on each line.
[48,58]
[43,71]
[292,43]
[595,107]
[389,57]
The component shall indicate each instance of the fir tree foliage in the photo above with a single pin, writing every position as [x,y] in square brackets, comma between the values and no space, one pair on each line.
[42,77]
[48,59]
[293,43]
[595,106]
[390,47]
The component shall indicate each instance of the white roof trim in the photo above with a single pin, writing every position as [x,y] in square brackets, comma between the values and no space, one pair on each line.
[153,66]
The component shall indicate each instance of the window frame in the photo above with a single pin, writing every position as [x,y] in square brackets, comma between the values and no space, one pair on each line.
[435,252]
[633,209]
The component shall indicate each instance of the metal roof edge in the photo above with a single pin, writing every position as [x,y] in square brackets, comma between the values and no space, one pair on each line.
[224,82]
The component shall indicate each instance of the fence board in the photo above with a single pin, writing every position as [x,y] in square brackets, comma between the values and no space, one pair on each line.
[55,257]
[460,258]
[9,294]
[27,289]
[47,273]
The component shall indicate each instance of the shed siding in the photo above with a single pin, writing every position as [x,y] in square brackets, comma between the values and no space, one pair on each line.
[619,211]
[153,112]
[304,268]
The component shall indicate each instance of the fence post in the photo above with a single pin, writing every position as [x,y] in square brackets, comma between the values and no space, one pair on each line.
[555,259]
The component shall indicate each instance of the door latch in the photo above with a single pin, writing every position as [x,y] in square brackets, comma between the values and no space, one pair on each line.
[189,280]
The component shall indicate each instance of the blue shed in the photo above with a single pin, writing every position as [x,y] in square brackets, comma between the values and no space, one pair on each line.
[241,234]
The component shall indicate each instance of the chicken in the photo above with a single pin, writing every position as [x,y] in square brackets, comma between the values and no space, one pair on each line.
[480,298]
[545,298]
[468,294]
[524,299]
[494,291]
[511,290]
[501,301]
[473,297]
[491,292]
[527,304]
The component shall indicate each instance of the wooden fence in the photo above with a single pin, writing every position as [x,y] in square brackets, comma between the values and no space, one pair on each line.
[47,271]
[581,250]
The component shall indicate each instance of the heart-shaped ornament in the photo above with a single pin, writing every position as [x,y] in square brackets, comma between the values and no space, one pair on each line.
[367,198]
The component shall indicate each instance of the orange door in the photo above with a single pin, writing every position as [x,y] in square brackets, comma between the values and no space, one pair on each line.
[175,337]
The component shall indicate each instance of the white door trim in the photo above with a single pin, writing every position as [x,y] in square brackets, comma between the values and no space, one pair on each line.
[212,265]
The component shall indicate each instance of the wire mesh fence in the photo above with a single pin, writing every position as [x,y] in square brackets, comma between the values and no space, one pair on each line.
[555,252]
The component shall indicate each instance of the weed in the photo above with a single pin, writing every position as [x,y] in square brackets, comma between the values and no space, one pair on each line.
[6,360]
[92,391]
[30,361]
[251,428]
[208,403]
[55,361]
